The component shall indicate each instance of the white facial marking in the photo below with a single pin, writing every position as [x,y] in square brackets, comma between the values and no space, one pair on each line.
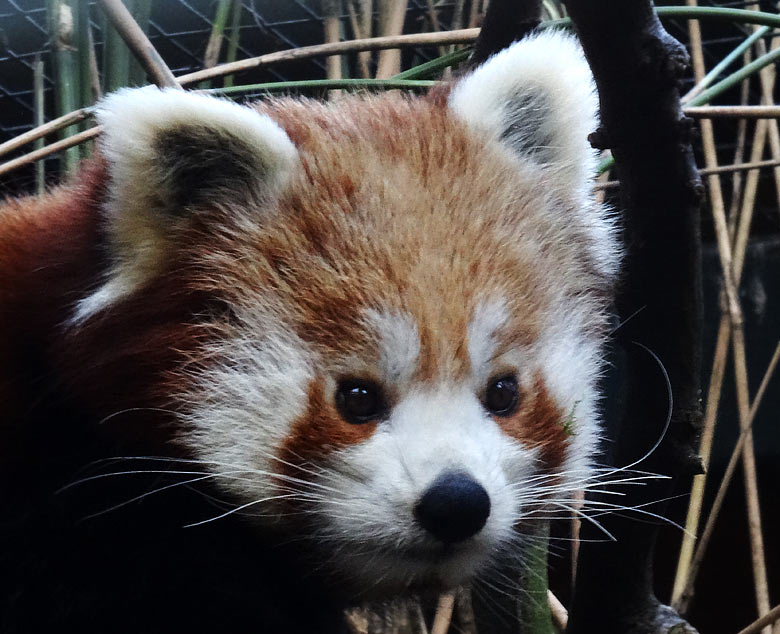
[399,344]
[244,405]
[489,317]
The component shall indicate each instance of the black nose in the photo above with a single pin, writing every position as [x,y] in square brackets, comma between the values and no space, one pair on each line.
[453,508]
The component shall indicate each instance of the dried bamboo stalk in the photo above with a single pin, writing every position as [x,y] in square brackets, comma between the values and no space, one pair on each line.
[771,617]
[52,148]
[560,615]
[737,180]
[44,130]
[726,479]
[767,79]
[389,61]
[443,617]
[463,36]
[769,111]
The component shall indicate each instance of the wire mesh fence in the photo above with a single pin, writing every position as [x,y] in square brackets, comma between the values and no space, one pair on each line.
[180,31]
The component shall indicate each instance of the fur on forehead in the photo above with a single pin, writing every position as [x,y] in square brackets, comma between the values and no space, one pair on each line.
[537,98]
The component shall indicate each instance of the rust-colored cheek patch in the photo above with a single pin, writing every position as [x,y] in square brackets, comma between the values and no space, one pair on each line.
[540,424]
[317,433]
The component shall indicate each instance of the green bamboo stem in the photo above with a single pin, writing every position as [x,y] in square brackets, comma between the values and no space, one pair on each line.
[434,66]
[39,116]
[388,84]
[722,86]
[66,76]
[534,606]
[142,11]
[83,52]
[726,62]
[735,78]
[234,35]
[214,45]
[116,56]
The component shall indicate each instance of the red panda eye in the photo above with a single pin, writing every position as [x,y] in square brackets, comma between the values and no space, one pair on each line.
[502,396]
[360,401]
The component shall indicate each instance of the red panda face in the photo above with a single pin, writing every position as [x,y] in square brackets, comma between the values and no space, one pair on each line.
[413,297]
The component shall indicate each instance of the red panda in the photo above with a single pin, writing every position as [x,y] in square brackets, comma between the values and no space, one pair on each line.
[261,362]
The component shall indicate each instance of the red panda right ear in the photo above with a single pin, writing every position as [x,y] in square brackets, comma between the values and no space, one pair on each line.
[173,151]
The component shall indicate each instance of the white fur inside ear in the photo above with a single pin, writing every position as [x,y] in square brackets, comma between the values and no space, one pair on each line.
[538,99]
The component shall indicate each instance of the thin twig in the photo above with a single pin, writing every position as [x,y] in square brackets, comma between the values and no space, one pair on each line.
[45,130]
[770,617]
[462,36]
[366,44]
[560,615]
[736,112]
[441,621]
[139,43]
[52,148]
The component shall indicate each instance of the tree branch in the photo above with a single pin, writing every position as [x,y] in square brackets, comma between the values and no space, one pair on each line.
[636,65]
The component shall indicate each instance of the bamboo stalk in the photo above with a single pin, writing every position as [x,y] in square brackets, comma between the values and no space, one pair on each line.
[771,617]
[767,79]
[214,45]
[61,29]
[463,36]
[138,43]
[733,112]
[706,80]
[141,10]
[44,130]
[560,615]
[83,51]
[332,27]
[357,33]
[116,57]
[94,73]
[234,35]
[737,180]
[52,148]
[39,116]
[443,617]
[464,609]
[389,61]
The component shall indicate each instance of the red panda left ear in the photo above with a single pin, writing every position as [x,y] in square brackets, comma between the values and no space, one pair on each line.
[173,151]
[170,154]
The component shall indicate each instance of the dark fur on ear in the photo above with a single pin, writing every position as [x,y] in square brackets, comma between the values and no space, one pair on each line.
[169,152]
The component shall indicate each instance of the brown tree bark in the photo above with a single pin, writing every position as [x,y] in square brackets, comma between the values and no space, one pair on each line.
[637,66]
[506,21]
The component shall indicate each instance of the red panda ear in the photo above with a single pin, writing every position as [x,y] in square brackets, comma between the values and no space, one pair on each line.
[171,151]
[537,99]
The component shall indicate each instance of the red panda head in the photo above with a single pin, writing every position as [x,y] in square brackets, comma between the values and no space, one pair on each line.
[405,303]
